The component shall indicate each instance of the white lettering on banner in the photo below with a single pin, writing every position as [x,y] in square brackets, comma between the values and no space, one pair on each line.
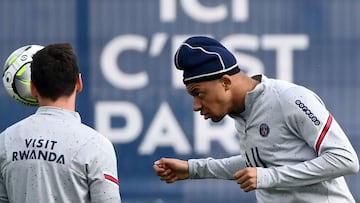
[106,110]
[158,42]
[249,64]
[284,46]
[200,13]
[207,132]
[164,131]
[167,10]
[109,66]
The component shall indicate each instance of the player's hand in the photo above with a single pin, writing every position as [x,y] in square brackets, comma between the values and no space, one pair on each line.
[246,178]
[171,170]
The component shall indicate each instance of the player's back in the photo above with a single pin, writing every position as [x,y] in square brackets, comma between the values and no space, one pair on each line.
[49,157]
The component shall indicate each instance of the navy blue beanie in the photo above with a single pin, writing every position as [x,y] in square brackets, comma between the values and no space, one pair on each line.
[204,59]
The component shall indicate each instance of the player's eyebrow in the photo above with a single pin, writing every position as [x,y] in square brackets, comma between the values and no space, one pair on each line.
[192,90]
[193,93]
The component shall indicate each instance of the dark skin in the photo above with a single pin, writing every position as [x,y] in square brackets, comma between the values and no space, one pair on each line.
[214,100]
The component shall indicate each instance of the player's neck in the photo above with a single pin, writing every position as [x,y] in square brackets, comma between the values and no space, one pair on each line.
[63,102]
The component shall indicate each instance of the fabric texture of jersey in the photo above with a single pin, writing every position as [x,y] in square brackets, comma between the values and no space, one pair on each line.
[300,151]
[52,157]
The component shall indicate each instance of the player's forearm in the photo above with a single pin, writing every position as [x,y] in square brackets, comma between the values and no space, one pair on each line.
[325,167]
[215,168]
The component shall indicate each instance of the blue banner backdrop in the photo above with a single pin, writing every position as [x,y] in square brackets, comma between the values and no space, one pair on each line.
[134,96]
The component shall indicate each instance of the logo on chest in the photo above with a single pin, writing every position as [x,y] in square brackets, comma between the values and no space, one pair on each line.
[264,130]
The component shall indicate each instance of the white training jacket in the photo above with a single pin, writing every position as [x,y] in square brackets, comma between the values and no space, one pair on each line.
[51,156]
[299,150]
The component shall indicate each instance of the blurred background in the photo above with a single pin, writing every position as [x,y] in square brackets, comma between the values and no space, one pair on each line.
[135,97]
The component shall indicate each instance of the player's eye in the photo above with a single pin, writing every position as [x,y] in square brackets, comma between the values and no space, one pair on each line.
[199,94]
[196,93]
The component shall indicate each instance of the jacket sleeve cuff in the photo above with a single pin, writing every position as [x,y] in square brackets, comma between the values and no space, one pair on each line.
[265,178]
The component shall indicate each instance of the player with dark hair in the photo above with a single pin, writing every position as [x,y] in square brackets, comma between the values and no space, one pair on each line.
[292,148]
[51,156]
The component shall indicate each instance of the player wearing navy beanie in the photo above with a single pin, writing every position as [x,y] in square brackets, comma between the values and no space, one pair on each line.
[291,147]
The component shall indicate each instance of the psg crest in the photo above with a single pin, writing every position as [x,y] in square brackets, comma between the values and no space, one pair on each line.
[264,130]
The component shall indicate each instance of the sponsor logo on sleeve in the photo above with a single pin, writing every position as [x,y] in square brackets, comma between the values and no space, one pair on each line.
[308,112]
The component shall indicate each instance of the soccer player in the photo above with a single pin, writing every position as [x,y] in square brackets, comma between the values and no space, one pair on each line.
[51,156]
[292,148]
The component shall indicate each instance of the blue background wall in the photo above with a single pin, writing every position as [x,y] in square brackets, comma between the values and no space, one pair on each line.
[133,95]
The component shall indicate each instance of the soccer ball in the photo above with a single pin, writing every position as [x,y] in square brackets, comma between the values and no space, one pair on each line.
[16,74]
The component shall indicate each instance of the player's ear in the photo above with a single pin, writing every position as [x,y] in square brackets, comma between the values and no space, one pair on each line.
[79,84]
[226,81]
[34,91]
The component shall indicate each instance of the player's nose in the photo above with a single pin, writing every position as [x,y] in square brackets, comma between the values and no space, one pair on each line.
[196,104]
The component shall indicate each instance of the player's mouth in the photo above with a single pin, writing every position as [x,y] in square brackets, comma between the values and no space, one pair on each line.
[206,116]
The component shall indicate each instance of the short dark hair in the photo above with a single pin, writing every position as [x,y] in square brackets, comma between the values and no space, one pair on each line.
[54,70]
